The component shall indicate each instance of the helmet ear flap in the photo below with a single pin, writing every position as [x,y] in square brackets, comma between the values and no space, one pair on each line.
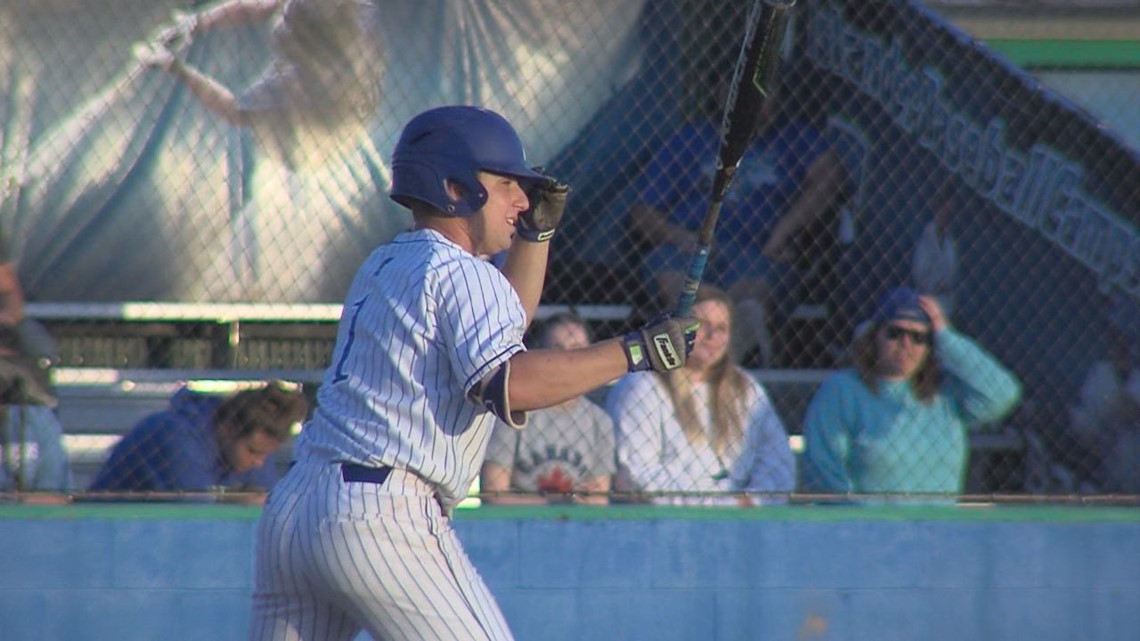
[472,197]
[423,182]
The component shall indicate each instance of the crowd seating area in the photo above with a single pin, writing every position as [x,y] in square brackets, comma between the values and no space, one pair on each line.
[120,362]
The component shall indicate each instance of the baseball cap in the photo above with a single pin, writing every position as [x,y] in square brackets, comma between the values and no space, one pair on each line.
[900,303]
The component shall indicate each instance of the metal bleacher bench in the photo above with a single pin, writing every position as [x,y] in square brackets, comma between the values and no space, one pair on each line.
[101,401]
[218,330]
[107,394]
[122,361]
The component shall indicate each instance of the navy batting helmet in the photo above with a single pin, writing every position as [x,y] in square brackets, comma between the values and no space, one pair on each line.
[453,143]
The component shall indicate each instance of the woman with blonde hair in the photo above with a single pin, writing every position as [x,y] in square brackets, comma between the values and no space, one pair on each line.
[703,434]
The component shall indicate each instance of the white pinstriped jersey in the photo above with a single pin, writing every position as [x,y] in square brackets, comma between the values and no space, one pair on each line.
[423,321]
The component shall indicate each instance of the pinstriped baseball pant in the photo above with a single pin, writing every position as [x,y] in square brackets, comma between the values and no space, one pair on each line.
[337,557]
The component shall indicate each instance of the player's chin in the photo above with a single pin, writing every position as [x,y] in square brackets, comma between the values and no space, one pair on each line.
[509,238]
[500,244]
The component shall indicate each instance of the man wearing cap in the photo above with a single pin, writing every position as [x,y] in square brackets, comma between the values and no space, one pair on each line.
[896,422]
[1105,420]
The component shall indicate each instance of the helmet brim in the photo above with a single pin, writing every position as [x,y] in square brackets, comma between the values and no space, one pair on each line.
[523,174]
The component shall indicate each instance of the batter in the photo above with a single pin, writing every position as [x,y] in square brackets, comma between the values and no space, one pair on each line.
[429,352]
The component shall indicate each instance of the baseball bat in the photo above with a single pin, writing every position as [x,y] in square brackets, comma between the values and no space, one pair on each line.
[755,70]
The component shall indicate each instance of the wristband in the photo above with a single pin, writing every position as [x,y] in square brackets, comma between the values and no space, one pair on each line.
[534,235]
[634,348]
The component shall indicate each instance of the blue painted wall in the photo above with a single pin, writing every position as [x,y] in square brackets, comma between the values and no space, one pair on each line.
[174,573]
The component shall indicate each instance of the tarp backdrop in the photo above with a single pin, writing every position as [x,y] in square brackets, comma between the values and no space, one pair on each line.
[118,185]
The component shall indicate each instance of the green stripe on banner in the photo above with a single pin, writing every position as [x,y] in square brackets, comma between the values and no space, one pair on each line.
[813,513]
[1069,53]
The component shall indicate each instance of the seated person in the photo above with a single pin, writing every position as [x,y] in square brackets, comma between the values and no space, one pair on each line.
[934,260]
[897,420]
[205,442]
[788,179]
[32,457]
[704,434]
[26,350]
[1105,420]
[565,453]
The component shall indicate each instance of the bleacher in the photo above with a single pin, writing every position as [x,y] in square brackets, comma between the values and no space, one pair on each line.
[120,362]
[98,405]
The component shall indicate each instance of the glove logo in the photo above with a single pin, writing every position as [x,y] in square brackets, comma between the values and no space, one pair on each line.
[635,356]
[666,351]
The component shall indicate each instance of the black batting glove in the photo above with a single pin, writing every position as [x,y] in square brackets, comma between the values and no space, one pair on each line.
[662,345]
[547,202]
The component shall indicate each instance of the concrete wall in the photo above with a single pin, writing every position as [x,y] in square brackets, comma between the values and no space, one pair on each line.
[180,572]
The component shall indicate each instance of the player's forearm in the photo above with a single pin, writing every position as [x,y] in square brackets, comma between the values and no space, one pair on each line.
[235,13]
[513,498]
[594,491]
[542,378]
[11,296]
[821,190]
[525,268]
[653,226]
[11,309]
[212,94]
[495,487]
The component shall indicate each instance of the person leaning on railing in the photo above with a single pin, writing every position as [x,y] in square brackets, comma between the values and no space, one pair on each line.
[206,443]
[896,422]
[32,456]
[566,453]
[1104,420]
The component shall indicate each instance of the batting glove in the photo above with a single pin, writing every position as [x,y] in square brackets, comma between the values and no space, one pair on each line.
[547,202]
[661,345]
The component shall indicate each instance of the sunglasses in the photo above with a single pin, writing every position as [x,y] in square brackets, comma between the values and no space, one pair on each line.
[896,333]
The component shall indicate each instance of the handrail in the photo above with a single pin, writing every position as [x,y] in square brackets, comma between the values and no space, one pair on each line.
[154,311]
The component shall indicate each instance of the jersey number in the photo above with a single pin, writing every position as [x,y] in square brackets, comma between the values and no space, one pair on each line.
[340,374]
[340,362]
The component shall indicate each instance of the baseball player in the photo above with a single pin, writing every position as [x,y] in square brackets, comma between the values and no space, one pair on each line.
[357,535]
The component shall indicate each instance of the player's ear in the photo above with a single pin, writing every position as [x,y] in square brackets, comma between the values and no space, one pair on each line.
[455,191]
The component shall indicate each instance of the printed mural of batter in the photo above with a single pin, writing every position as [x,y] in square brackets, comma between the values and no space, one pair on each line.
[321,88]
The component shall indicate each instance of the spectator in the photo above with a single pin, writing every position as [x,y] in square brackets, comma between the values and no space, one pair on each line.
[1105,420]
[206,442]
[323,81]
[706,428]
[566,452]
[934,267]
[789,178]
[897,420]
[32,456]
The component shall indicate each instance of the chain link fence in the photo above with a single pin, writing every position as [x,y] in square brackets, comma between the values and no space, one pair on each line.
[186,194]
